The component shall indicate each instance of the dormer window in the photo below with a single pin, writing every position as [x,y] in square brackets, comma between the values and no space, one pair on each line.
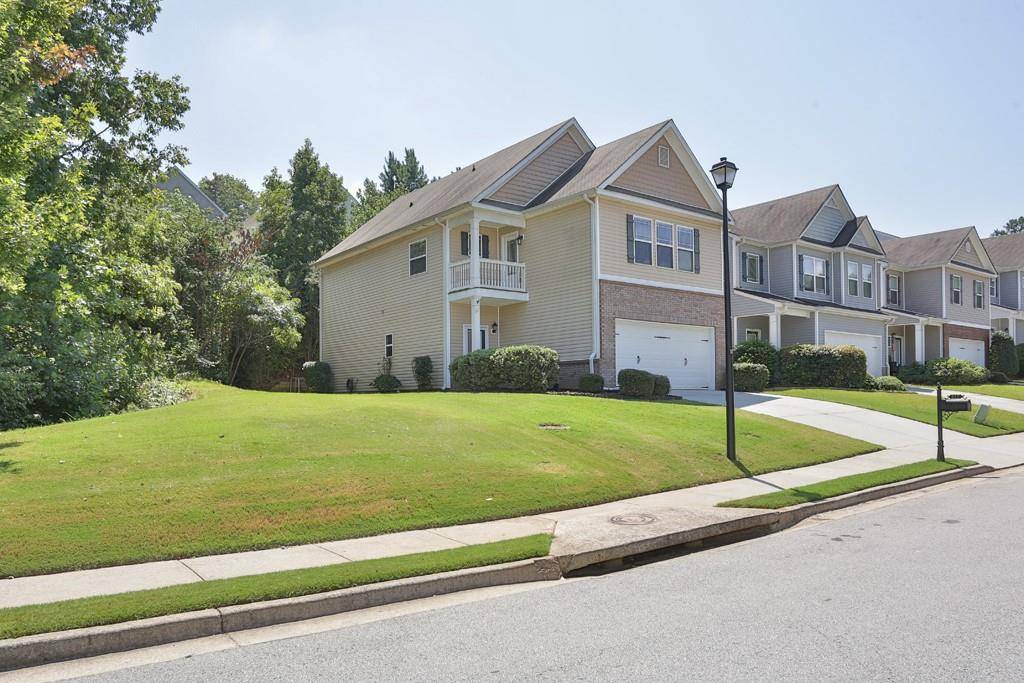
[664,158]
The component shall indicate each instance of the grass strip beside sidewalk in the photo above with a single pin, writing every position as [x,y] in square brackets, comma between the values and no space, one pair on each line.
[111,609]
[843,485]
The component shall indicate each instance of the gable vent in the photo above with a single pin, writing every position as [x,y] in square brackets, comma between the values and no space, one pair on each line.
[663,156]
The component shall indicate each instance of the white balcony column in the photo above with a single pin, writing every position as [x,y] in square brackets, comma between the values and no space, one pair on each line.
[474,253]
[774,330]
[474,322]
[919,343]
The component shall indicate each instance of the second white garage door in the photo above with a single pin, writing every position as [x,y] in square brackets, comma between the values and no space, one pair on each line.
[685,353]
[967,349]
[870,344]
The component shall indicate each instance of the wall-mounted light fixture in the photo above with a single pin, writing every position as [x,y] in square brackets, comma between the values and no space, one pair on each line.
[519,240]
[494,328]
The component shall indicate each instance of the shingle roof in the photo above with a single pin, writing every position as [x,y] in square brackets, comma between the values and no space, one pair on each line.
[177,180]
[1006,251]
[919,251]
[781,220]
[442,194]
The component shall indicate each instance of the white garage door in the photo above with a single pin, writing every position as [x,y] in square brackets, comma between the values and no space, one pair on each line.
[968,349]
[870,344]
[685,353]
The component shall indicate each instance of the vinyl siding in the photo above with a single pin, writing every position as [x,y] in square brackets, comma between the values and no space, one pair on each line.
[802,250]
[842,323]
[797,330]
[613,247]
[859,301]
[965,311]
[559,314]
[1009,288]
[780,272]
[763,253]
[859,239]
[826,225]
[745,306]
[461,315]
[535,177]
[757,322]
[493,236]
[969,258]
[372,294]
[923,291]
[674,182]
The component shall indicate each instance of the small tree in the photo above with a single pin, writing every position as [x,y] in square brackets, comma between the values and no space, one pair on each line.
[1002,355]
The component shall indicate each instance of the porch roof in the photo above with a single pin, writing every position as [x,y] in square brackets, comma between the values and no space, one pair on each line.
[810,303]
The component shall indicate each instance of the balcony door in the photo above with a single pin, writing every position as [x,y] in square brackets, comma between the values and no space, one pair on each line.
[510,247]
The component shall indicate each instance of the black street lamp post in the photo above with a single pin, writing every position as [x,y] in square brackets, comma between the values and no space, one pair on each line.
[724,173]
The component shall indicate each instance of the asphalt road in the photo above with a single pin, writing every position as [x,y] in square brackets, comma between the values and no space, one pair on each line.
[929,587]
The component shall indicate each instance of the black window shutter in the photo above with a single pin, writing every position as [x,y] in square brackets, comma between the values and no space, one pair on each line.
[743,265]
[760,271]
[800,275]
[464,243]
[629,238]
[696,250]
[485,246]
[828,275]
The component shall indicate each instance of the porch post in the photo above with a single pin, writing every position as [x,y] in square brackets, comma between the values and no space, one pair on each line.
[919,343]
[474,322]
[474,254]
[774,328]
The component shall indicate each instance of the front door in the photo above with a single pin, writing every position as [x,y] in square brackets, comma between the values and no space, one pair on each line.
[896,349]
[467,338]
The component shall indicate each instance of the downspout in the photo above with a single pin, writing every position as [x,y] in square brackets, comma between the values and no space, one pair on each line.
[595,266]
[446,284]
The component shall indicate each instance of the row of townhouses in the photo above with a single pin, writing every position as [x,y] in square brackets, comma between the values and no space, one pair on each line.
[612,256]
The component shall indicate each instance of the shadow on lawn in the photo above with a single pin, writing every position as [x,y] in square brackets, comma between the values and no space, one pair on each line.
[9,467]
[750,475]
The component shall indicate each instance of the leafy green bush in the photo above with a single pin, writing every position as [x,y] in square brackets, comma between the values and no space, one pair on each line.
[750,376]
[1002,355]
[18,391]
[885,383]
[807,365]
[526,367]
[760,353]
[638,383]
[914,373]
[1020,359]
[591,383]
[955,371]
[318,376]
[662,385]
[475,371]
[386,384]
[423,370]
[998,378]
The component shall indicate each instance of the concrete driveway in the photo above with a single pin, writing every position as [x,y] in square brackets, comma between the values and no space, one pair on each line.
[1009,404]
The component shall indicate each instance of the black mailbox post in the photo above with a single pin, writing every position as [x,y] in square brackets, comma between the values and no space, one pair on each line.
[954,403]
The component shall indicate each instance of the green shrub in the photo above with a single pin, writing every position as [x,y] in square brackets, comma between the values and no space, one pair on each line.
[998,378]
[638,383]
[760,353]
[1002,355]
[319,377]
[662,385]
[885,383]
[1020,359]
[591,383]
[475,371]
[526,367]
[750,376]
[423,370]
[955,371]
[914,373]
[386,384]
[807,365]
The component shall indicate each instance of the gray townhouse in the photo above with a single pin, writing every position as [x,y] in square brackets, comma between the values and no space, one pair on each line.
[1005,290]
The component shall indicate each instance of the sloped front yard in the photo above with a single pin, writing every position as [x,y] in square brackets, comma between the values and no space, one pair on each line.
[237,470]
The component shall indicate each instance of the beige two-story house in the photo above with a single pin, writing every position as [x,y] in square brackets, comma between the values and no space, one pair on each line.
[608,254]
[937,289]
[1007,288]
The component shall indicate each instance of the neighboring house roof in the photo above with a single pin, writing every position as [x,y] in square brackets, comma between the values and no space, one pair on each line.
[921,251]
[783,219]
[1006,251]
[805,302]
[177,180]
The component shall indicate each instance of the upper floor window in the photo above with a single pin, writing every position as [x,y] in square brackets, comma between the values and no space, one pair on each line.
[979,294]
[814,274]
[993,288]
[664,159]
[485,244]
[687,249]
[389,345]
[956,287]
[867,280]
[752,269]
[852,278]
[893,290]
[418,257]
[663,232]
[641,240]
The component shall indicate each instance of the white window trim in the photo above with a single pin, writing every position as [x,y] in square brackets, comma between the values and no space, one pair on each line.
[993,288]
[979,296]
[865,269]
[855,280]
[956,293]
[671,244]
[412,258]
[752,256]
[814,290]
[486,338]
[668,156]
[748,331]
[389,347]
[889,290]
[677,248]
[651,241]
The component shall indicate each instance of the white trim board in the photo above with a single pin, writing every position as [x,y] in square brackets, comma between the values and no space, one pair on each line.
[660,285]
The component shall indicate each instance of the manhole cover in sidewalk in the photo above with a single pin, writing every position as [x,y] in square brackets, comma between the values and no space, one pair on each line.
[634,519]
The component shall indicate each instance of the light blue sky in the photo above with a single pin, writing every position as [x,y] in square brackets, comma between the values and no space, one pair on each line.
[916,109]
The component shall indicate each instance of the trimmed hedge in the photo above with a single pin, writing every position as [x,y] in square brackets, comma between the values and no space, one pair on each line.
[1002,355]
[592,383]
[475,371]
[526,367]
[760,353]
[662,385]
[808,365]
[750,376]
[999,378]
[914,373]
[386,384]
[636,383]
[885,383]
[423,370]
[955,371]
[319,377]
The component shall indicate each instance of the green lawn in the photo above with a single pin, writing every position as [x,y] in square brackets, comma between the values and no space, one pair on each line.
[237,470]
[1014,391]
[915,407]
[111,609]
[837,487]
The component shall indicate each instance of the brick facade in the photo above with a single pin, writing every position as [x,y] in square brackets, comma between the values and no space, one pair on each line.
[962,332]
[655,304]
[569,373]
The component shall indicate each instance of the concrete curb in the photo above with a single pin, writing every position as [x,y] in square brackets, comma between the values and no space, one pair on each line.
[46,648]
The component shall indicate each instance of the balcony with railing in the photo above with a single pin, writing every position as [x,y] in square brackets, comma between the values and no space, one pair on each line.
[502,276]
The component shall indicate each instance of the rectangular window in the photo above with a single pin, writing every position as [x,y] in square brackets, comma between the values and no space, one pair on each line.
[815,274]
[684,248]
[663,233]
[418,257]
[993,288]
[485,245]
[753,335]
[389,345]
[852,278]
[893,290]
[979,294]
[641,240]
[663,156]
[752,268]
[956,286]
[867,280]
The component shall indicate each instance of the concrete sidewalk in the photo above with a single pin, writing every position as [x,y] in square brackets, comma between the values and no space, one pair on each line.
[906,441]
[1012,405]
